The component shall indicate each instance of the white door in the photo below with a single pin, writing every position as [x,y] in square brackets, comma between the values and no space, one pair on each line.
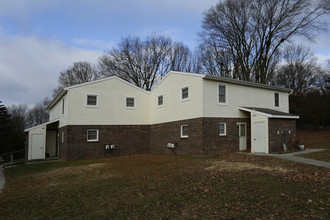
[259,137]
[242,136]
[37,149]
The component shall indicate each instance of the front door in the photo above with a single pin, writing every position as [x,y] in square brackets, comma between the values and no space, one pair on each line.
[259,137]
[242,136]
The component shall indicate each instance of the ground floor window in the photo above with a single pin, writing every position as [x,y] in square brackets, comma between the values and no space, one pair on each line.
[184,131]
[92,135]
[222,129]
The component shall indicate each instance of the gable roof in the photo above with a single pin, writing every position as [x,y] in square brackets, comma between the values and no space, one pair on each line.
[245,83]
[270,113]
[66,89]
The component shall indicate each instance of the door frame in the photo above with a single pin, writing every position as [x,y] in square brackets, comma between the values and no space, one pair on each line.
[239,135]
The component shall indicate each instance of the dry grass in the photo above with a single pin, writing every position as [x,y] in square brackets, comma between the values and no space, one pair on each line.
[315,139]
[230,186]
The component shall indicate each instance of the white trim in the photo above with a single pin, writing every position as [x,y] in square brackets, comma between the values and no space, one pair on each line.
[268,115]
[97,135]
[181,130]
[104,79]
[225,129]
[97,100]
[159,106]
[279,105]
[37,126]
[178,73]
[62,136]
[182,88]
[130,97]
[226,94]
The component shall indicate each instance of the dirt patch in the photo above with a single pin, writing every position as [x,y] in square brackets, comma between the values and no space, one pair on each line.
[237,166]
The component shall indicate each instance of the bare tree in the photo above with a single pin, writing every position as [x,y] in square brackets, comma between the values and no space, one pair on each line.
[253,31]
[300,70]
[144,62]
[80,72]
[39,114]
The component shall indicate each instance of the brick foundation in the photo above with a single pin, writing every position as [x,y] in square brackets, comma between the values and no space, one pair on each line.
[275,139]
[128,139]
[203,138]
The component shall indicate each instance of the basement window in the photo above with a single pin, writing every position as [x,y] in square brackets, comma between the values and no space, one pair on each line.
[184,131]
[92,135]
[222,129]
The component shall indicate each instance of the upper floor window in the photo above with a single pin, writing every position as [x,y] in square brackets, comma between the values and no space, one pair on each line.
[222,94]
[92,100]
[130,102]
[63,106]
[160,100]
[184,93]
[277,99]
[92,135]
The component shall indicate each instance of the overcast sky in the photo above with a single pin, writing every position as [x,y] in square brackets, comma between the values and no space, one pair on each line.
[41,38]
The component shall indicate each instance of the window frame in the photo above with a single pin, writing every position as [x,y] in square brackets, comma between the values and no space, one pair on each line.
[278,100]
[130,107]
[97,100]
[97,135]
[181,93]
[62,137]
[226,94]
[63,106]
[181,131]
[160,105]
[224,128]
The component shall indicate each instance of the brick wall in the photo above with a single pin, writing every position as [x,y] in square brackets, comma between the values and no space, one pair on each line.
[275,139]
[128,139]
[203,140]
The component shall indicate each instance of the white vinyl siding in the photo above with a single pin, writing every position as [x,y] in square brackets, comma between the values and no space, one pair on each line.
[222,129]
[92,135]
[174,109]
[184,131]
[112,104]
[239,96]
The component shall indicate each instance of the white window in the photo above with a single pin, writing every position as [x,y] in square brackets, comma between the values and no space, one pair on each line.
[130,102]
[222,129]
[92,100]
[222,93]
[63,102]
[160,100]
[184,93]
[92,135]
[184,131]
[62,136]
[277,99]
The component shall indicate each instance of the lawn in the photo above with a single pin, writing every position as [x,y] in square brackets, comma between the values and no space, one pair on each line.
[229,186]
[315,139]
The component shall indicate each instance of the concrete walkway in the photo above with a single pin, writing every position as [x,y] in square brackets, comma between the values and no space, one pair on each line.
[2,179]
[292,157]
